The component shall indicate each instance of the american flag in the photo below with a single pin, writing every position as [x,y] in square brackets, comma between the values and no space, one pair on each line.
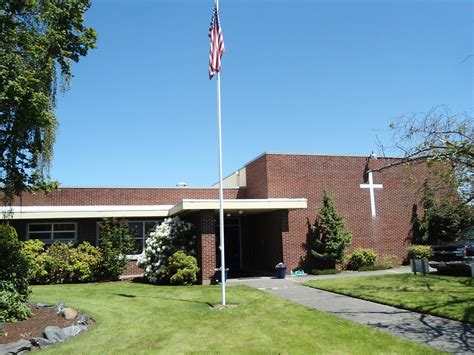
[217,44]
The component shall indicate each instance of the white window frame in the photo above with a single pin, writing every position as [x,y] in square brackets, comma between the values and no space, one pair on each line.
[51,232]
[144,237]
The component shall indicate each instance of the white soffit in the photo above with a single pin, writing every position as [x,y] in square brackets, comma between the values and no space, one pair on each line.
[62,212]
[269,204]
[51,212]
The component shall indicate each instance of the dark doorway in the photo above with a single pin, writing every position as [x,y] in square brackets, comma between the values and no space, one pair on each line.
[232,241]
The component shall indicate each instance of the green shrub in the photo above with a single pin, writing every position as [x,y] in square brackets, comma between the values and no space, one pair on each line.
[419,252]
[362,257]
[13,305]
[58,262]
[389,261]
[61,262]
[33,250]
[374,267]
[13,276]
[325,271]
[181,269]
[115,242]
[85,261]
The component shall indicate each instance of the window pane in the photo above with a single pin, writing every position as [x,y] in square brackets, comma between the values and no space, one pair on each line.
[65,227]
[40,227]
[136,228]
[138,247]
[149,226]
[64,235]
[42,236]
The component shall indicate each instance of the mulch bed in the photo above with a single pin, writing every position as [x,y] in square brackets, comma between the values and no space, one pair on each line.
[33,326]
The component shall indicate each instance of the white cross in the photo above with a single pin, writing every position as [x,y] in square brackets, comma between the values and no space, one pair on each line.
[371,186]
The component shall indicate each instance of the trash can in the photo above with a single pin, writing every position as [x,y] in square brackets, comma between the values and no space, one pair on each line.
[281,272]
[218,274]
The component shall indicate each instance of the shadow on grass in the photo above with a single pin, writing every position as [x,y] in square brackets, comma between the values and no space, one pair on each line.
[163,298]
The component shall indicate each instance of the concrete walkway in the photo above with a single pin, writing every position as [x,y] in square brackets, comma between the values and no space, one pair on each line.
[444,334]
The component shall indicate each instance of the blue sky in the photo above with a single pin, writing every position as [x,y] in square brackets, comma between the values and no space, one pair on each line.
[298,76]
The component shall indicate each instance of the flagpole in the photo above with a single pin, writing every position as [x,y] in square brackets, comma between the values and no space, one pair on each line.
[221,188]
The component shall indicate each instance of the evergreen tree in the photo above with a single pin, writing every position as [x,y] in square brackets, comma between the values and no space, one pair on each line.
[331,236]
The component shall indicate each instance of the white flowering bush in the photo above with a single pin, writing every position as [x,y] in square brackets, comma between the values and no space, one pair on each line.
[172,235]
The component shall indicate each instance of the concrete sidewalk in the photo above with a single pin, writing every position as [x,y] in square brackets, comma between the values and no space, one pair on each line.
[444,334]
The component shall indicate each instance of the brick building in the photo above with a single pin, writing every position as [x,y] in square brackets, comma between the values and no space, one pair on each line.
[269,203]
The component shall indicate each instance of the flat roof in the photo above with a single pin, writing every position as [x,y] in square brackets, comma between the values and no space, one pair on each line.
[133,211]
[247,205]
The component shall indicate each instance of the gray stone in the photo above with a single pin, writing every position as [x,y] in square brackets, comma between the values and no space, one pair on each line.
[83,319]
[40,343]
[73,330]
[53,334]
[60,307]
[69,313]
[43,305]
[16,347]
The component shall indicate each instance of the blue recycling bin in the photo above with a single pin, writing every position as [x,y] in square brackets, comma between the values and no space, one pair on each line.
[281,272]
[218,274]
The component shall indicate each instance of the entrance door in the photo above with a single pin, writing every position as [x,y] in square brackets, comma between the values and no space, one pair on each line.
[232,243]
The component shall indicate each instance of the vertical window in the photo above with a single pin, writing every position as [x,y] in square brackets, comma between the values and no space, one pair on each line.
[141,230]
[53,232]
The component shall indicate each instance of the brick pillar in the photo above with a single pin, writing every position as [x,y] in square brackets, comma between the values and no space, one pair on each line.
[207,245]
[288,249]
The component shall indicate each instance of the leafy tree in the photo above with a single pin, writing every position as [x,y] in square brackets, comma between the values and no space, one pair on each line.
[444,218]
[331,236]
[442,140]
[39,40]
[115,242]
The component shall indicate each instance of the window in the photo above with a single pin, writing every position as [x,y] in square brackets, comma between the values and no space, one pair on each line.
[140,231]
[53,232]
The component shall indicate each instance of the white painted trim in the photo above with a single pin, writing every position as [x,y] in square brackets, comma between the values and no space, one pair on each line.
[241,204]
[52,212]
[153,211]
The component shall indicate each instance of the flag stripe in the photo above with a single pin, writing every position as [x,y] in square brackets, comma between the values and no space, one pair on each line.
[217,44]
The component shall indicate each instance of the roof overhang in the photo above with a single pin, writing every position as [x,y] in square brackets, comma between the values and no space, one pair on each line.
[51,212]
[246,206]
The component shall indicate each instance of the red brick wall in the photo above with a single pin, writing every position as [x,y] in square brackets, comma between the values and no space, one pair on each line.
[257,184]
[207,245]
[120,196]
[305,176]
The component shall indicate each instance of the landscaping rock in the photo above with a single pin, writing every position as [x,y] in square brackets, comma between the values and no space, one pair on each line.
[53,334]
[40,343]
[69,313]
[60,307]
[83,319]
[73,330]
[17,347]
[43,305]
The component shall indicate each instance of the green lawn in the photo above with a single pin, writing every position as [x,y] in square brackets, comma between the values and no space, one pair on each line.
[445,296]
[138,318]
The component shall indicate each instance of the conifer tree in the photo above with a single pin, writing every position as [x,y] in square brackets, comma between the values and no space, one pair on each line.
[331,237]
